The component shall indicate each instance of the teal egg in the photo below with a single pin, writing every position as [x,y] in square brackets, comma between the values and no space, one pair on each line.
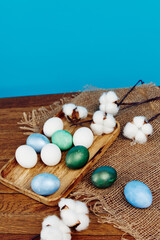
[103,177]
[77,157]
[62,139]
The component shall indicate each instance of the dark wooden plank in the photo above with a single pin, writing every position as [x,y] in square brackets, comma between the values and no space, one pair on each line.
[29,237]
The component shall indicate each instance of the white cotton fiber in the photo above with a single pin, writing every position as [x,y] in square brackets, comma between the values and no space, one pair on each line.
[109,121]
[69,217]
[51,221]
[82,112]
[68,108]
[111,108]
[84,222]
[130,130]
[97,128]
[98,117]
[107,97]
[140,137]
[51,233]
[81,207]
[139,121]
[102,107]
[107,130]
[147,129]
[70,203]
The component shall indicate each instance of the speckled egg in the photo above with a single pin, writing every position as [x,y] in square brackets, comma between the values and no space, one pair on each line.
[45,184]
[63,139]
[103,177]
[138,194]
[37,141]
[77,157]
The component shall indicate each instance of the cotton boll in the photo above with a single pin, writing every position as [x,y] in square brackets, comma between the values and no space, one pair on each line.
[109,121]
[102,99]
[70,203]
[111,97]
[139,121]
[65,230]
[102,107]
[98,117]
[51,221]
[97,128]
[84,222]
[107,130]
[111,108]
[82,112]
[68,108]
[81,207]
[140,137]
[107,97]
[130,130]
[51,233]
[69,217]
[147,129]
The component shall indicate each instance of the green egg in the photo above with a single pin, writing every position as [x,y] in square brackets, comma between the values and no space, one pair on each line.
[77,157]
[62,139]
[103,177]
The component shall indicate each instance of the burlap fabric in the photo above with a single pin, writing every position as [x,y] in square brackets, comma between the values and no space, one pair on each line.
[132,162]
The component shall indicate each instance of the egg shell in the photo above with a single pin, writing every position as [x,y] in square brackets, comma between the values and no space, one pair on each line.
[63,139]
[77,157]
[52,125]
[37,141]
[45,184]
[51,154]
[83,136]
[138,194]
[26,156]
[103,177]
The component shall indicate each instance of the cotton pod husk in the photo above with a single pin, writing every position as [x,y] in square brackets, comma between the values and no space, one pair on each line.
[68,108]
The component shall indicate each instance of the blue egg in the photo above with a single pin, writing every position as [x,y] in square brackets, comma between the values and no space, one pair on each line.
[45,184]
[138,194]
[37,141]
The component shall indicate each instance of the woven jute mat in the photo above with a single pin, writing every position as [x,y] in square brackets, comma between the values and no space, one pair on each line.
[132,162]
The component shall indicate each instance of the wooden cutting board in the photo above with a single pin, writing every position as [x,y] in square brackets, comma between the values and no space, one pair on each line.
[19,178]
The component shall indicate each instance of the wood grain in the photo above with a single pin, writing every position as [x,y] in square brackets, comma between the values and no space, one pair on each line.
[20,215]
[19,178]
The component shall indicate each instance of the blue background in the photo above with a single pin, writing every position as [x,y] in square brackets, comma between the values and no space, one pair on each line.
[59,46]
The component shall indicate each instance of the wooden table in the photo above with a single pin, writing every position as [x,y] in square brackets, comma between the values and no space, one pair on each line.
[21,216]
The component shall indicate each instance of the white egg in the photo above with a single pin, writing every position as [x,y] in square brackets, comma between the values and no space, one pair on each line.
[26,156]
[51,125]
[51,154]
[83,136]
